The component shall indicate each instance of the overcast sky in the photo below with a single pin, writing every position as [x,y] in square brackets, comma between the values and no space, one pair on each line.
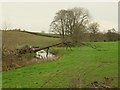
[38,16]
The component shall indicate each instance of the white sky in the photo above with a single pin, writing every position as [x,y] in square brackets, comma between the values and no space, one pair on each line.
[37,16]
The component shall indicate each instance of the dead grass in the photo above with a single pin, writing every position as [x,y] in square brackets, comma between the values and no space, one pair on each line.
[18,39]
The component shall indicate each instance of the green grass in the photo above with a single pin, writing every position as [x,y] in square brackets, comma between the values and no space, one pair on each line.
[82,63]
[17,39]
[0,59]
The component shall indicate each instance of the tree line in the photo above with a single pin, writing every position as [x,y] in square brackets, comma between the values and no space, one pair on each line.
[74,25]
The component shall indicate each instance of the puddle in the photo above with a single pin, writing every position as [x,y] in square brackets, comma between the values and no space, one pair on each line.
[42,54]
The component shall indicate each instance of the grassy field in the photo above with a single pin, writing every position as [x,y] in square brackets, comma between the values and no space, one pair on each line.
[76,68]
[0,59]
[17,39]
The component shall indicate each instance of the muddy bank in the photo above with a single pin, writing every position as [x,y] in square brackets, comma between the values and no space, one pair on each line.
[12,59]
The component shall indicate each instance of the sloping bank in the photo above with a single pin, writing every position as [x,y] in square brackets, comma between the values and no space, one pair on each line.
[77,68]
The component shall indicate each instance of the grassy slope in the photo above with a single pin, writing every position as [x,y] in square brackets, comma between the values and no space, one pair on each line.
[83,63]
[0,58]
[16,39]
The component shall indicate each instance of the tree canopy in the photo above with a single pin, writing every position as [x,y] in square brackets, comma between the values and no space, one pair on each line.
[70,23]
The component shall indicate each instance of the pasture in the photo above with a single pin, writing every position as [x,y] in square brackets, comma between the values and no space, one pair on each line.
[74,69]
[18,39]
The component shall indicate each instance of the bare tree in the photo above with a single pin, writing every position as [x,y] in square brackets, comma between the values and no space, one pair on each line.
[93,29]
[112,35]
[6,25]
[70,23]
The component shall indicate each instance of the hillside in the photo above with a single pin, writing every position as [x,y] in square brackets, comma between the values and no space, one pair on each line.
[81,67]
[78,68]
[17,39]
